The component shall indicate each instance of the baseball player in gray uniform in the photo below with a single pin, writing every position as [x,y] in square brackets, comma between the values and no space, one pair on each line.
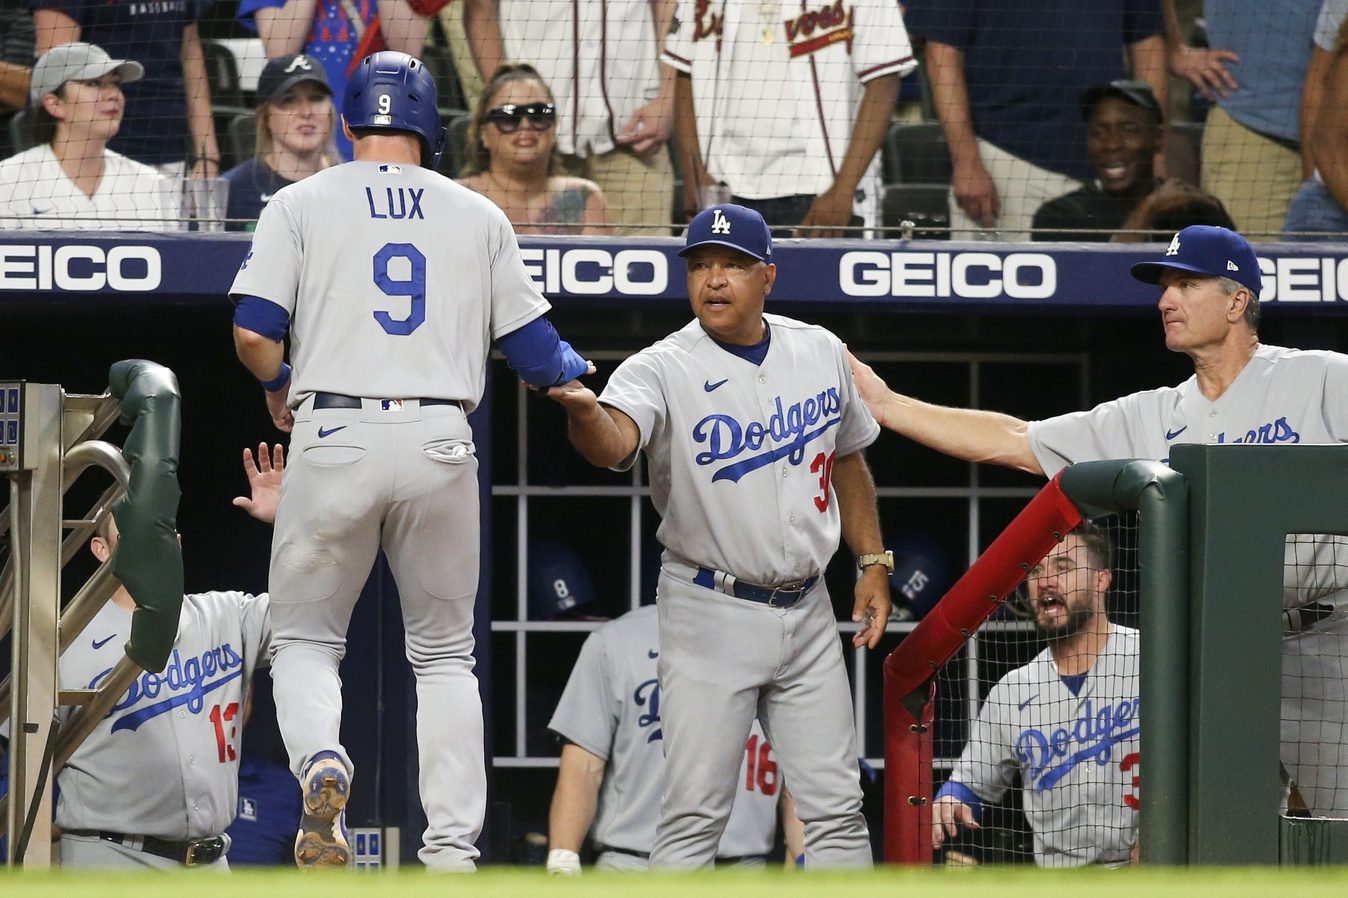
[156,783]
[391,282]
[1242,391]
[753,433]
[612,767]
[1067,722]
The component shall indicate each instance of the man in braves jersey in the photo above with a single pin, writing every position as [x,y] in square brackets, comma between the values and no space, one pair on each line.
[612,766]
[753,432]
[1067,722]
[786,104]
[1242,391]
[156,783]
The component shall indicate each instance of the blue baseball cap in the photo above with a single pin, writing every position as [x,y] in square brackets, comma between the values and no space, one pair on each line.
[733,226]
[1204,249]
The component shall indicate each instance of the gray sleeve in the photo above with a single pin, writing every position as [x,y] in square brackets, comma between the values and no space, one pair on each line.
[637,390]
[1105,431]
[585,714]
[255,612]
[271,269]
[1335,392]
[988,764]
[515,301]
[1332,14]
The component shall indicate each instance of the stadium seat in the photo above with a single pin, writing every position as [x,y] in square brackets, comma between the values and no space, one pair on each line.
[241,137]
[21,130]
[224,117]
[925,205]
[916,153]
[457,123]
[222,71]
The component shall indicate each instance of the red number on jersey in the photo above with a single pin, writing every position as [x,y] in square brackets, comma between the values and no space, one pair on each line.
[823,466]
[1132,761]
[761,771]
[224,741]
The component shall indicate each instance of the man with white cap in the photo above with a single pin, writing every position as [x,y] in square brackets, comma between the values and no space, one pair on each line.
[1242,391]
[754,433]
[71,179]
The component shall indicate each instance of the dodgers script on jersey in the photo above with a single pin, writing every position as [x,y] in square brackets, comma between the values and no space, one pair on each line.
[422,260]
[751,446]
[1078,755]
[174,734]
[776,86]
[611,708]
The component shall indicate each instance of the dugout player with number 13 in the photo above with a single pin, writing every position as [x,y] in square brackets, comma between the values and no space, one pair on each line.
[753,431]
[391,281]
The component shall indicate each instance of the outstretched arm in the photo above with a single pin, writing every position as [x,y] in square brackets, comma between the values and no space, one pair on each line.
[264,482]
[861,531]
[968,434]
[603,435]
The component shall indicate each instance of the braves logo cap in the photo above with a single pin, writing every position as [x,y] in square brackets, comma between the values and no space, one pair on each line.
[284,72]
[733,226]
[1204,249]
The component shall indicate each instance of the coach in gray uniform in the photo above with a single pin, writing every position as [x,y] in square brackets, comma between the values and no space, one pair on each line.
[753,432]
[1242,392]
[1067,722]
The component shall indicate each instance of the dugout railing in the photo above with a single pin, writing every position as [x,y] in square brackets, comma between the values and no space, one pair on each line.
[47,440]
[1210,555]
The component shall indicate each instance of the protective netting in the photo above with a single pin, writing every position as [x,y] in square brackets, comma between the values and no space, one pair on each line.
[937,117]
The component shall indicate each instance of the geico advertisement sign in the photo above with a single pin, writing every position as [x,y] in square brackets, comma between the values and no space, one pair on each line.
[1304,279]
[971,275]
[130,269]
[594,271]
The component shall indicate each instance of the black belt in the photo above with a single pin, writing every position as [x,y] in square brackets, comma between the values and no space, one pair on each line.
[337,400]
[192,853]
[646,855]
[1307,616]
[782,596]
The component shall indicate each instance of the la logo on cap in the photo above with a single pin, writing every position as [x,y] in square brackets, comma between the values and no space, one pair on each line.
[1173,249]
[719,224]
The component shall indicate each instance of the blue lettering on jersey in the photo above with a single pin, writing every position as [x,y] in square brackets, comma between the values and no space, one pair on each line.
[647,696]
[185,680]
[1278,431]
[402,210]
[793,427]
[1046,755]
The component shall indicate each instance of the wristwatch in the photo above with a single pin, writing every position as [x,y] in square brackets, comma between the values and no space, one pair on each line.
[886,558]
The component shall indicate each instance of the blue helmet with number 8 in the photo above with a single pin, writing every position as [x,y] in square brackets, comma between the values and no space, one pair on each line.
[391,91]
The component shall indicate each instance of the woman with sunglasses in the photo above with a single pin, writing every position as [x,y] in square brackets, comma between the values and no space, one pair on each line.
[512,154]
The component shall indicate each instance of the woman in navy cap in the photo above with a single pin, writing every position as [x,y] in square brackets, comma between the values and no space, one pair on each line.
[295,124]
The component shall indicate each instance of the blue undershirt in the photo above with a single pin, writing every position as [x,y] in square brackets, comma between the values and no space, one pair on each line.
[755,354]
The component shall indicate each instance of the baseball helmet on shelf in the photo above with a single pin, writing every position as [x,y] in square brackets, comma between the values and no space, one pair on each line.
[391,91]
[560,587]
[922,573]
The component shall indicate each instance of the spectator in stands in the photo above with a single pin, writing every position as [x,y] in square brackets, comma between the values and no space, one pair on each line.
[1251,158]
[1006,81]
[295,125]
[1322,201]
[71,179]
[512,154]
[615,102]
[1170,208]
[1067,722]
[787,110]
[168,112]
[339,33]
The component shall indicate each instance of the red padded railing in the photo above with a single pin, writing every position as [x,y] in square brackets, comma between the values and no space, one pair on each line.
[910,670]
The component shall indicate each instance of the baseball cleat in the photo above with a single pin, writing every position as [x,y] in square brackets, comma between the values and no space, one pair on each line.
[322,839]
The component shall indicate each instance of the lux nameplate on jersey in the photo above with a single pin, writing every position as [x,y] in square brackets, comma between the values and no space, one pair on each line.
[595,271]
[78,268]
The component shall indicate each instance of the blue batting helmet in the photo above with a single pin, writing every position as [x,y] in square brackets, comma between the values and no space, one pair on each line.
[559,584]
[391,91]
[922,572]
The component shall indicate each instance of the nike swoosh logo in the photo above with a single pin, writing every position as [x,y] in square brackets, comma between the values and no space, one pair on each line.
[1022,705]
[652,653]
[37,211]
[1171,434]
[99,643]
[329,431]
[709,386]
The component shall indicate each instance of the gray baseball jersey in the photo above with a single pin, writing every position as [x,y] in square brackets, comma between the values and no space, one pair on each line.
[396,280]
[1078,754]
[1284,396]
[740,458]
[174,736]
[611,708]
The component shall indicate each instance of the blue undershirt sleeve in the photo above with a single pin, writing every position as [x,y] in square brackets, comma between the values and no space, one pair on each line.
[262,316]
[540,356]
[963,793]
